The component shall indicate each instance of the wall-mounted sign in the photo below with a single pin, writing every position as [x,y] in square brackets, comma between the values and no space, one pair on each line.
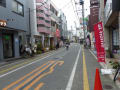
[3,23]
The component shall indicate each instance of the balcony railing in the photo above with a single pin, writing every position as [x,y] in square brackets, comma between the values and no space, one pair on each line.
[44,30]
[48,24]
[39,1]
[41,22]
[40,15]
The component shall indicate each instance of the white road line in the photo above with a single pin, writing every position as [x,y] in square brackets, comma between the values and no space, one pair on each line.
[93,54]
[70,82]
[25,65]
[102,64]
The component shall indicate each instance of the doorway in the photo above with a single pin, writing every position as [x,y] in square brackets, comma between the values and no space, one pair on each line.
[8,46]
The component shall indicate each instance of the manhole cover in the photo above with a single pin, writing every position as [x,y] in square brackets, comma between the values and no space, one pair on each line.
[108,87]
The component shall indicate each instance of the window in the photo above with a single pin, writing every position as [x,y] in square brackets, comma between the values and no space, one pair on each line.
[3,3]
[40,25]
[18,8]
[40,11]
[47,15]
[47,21]
[40,18]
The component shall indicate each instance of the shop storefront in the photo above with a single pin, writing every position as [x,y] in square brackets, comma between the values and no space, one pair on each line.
[9,44]
[115,41]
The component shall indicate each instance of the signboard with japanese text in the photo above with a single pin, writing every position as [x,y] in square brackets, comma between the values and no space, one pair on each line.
[99,41]
[3,23]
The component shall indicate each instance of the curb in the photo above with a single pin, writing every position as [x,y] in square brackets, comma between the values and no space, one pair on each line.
[3,63]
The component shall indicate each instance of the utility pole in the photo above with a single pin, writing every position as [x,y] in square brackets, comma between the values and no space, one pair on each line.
[82,3]
[30,27]
[76,30]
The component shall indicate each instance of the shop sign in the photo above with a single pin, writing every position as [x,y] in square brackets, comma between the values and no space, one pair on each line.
[3,23]
[57,33]
[99,41]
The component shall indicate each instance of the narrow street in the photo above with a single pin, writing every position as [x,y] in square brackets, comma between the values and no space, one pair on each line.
[60,70]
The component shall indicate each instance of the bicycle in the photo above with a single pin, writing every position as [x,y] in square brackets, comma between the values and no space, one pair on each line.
[67,47]
[117,73]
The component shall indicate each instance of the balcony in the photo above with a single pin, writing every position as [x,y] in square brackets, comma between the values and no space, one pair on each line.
[41,22]
[47,18]
[43,30]
[38,7]
[48,24]
[39,1]
[40,15]
[54,17]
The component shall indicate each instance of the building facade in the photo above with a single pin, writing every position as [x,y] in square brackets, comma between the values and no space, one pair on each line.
[93,19]
[63,26]
[54,38]
[14,18]
[43,21]
[111,25]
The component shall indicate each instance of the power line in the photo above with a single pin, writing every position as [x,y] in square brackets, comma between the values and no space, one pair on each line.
[73,8]
[66,5]
[76,10]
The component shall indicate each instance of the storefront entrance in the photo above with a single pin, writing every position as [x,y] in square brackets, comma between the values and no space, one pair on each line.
[7,46]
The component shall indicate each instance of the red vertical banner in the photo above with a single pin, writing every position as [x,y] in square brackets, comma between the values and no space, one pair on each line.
[57,33]
[99,41]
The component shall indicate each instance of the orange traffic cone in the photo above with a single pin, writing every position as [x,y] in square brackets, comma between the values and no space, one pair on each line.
[97,85]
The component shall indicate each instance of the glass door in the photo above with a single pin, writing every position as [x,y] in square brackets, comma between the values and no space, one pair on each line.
[7,46]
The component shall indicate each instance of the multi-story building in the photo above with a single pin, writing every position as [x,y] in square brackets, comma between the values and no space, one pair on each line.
[12,23]
[111,27]
[43,21]
[63,25]
[93,19]
[54,25]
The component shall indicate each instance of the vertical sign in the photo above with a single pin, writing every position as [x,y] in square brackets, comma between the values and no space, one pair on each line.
[99,41]
[57,33]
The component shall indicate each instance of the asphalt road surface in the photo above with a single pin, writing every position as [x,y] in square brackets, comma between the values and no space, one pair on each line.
[72,69]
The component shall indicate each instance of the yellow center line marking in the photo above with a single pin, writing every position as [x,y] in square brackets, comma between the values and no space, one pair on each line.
[39,86]
[12,84]
[85,76]
[29,79]
[41,76]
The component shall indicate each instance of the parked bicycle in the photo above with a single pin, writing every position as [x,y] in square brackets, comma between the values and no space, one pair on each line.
[117,73]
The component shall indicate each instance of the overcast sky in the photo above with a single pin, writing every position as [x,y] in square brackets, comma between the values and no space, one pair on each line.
[67,8]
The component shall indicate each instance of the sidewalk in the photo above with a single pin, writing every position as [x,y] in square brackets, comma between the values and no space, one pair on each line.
[108,66]
[19,60]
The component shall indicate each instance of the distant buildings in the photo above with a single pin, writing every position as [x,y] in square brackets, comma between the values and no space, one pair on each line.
[63,26]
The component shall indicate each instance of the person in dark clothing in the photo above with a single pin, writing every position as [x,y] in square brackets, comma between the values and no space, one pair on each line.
[57,45]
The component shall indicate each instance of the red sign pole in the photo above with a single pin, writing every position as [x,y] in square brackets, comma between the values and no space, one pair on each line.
[99,39]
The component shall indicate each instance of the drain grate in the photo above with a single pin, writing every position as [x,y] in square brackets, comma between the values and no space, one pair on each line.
[108,87]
